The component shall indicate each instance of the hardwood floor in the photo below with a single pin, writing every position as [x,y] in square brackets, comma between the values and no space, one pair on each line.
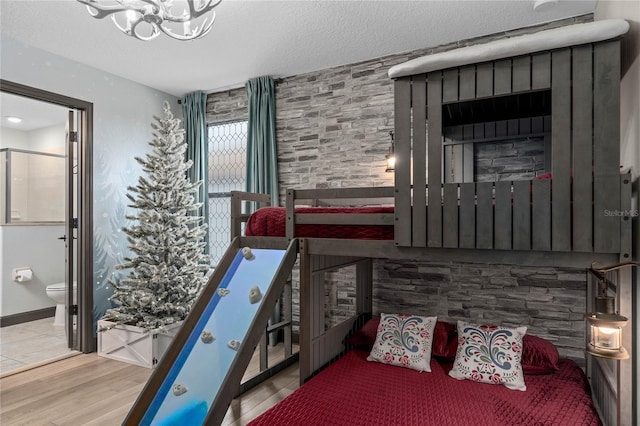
[90,390]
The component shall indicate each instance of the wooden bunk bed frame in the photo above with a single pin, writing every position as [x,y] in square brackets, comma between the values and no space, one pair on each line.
[557,222]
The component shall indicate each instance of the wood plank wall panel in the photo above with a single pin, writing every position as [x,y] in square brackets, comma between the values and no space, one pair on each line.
[521,215]
[461,173]
[626,243]
[467,233]
[540,218]
[419,103]
[434,154]
[402,122]
[502,77]
[467,161]
[541,215]
[450,216]
[606,146]
[521,80]
[561,149]
[467,83]
[484,215]
[364,286]
[484,80]
[582,129]
[541,71]
[503,215]
[450,85]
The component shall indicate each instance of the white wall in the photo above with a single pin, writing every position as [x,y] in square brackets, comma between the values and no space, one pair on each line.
[36,247]
[13,138]
[48,139]
[123,111]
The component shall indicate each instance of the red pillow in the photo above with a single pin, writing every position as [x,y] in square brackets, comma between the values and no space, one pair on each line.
[539,356]
[443,335]
[365,337]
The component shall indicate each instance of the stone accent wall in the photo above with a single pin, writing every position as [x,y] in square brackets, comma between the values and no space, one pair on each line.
[551,302]
[332,131]
[228,105]
[518,159]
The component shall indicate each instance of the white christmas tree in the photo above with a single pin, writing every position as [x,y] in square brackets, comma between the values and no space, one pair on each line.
[169,267]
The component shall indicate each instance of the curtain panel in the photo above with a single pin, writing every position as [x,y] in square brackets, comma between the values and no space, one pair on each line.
[262,158]
[194,107]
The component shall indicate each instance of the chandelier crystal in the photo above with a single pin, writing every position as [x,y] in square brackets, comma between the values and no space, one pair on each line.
[146,19]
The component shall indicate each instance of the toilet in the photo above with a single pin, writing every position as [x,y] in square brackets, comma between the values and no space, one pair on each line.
[57,293]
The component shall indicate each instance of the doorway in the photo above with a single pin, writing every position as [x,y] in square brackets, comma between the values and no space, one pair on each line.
[76,217]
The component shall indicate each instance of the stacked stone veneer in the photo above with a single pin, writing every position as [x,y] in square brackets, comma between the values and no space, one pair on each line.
[518,159]
[549,301]
[332,131]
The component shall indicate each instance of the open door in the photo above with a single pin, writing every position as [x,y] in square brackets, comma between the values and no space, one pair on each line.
[71,228]
[79,211]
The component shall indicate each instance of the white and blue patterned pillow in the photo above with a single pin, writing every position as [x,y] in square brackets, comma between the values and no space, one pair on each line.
[404,341]
[490,354]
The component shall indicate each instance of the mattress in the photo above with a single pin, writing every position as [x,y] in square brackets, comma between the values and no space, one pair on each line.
[271,222]
[353,391]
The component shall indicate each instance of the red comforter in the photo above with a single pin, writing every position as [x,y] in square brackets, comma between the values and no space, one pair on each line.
[353,391]
[270,222]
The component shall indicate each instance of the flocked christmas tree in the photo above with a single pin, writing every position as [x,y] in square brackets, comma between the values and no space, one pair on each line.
[169,267]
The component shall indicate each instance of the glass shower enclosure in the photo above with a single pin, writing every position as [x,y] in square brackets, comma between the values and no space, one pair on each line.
[32,185]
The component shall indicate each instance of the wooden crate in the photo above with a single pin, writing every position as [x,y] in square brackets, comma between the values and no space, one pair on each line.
[134,345]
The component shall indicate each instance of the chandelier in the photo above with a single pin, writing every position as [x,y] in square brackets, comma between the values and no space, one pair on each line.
[146,19]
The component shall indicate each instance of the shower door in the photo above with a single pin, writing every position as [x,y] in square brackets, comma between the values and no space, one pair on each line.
[71,230]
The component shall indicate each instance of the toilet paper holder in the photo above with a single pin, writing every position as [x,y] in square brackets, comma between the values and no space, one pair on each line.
[22,274]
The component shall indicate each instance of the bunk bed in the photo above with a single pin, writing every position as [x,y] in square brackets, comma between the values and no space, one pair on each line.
[439,214]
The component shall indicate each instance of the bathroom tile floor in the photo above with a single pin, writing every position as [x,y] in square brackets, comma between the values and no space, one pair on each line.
[30,343]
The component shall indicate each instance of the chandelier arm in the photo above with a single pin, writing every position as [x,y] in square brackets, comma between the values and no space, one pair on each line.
[206,7]
[194,13]
[132,32]
[100,11]
[196,33]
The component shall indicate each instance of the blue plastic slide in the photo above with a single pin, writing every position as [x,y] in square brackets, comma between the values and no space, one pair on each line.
[201,371]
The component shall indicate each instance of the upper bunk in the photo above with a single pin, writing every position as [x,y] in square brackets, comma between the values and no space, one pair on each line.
[505,152]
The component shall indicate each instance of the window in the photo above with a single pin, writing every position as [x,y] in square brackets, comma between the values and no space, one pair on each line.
[227,172]
[498,138]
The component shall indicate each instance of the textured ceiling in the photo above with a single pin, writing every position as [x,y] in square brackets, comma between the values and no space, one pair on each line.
[278,38]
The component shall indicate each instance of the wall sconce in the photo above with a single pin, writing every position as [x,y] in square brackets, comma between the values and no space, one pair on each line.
[391,156]
[604,331]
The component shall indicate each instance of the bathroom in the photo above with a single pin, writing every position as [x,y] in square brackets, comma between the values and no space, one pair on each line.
[32,214]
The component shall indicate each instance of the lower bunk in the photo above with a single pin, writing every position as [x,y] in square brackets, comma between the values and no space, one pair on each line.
[356,391]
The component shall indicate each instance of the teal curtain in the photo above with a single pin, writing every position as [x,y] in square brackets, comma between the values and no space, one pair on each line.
[262,159]
[194,107]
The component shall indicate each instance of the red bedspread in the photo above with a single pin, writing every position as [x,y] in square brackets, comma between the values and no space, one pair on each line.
[353,391]
[270,222]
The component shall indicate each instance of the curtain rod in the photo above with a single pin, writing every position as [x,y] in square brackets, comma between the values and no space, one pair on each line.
[277,82]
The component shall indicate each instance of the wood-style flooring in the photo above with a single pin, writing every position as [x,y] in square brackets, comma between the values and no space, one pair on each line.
[90,390]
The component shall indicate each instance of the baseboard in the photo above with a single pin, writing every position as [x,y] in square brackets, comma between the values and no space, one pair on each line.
[27,316]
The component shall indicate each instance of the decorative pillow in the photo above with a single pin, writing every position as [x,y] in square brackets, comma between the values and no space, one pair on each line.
[490,354]
[404,341]
[539,356]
